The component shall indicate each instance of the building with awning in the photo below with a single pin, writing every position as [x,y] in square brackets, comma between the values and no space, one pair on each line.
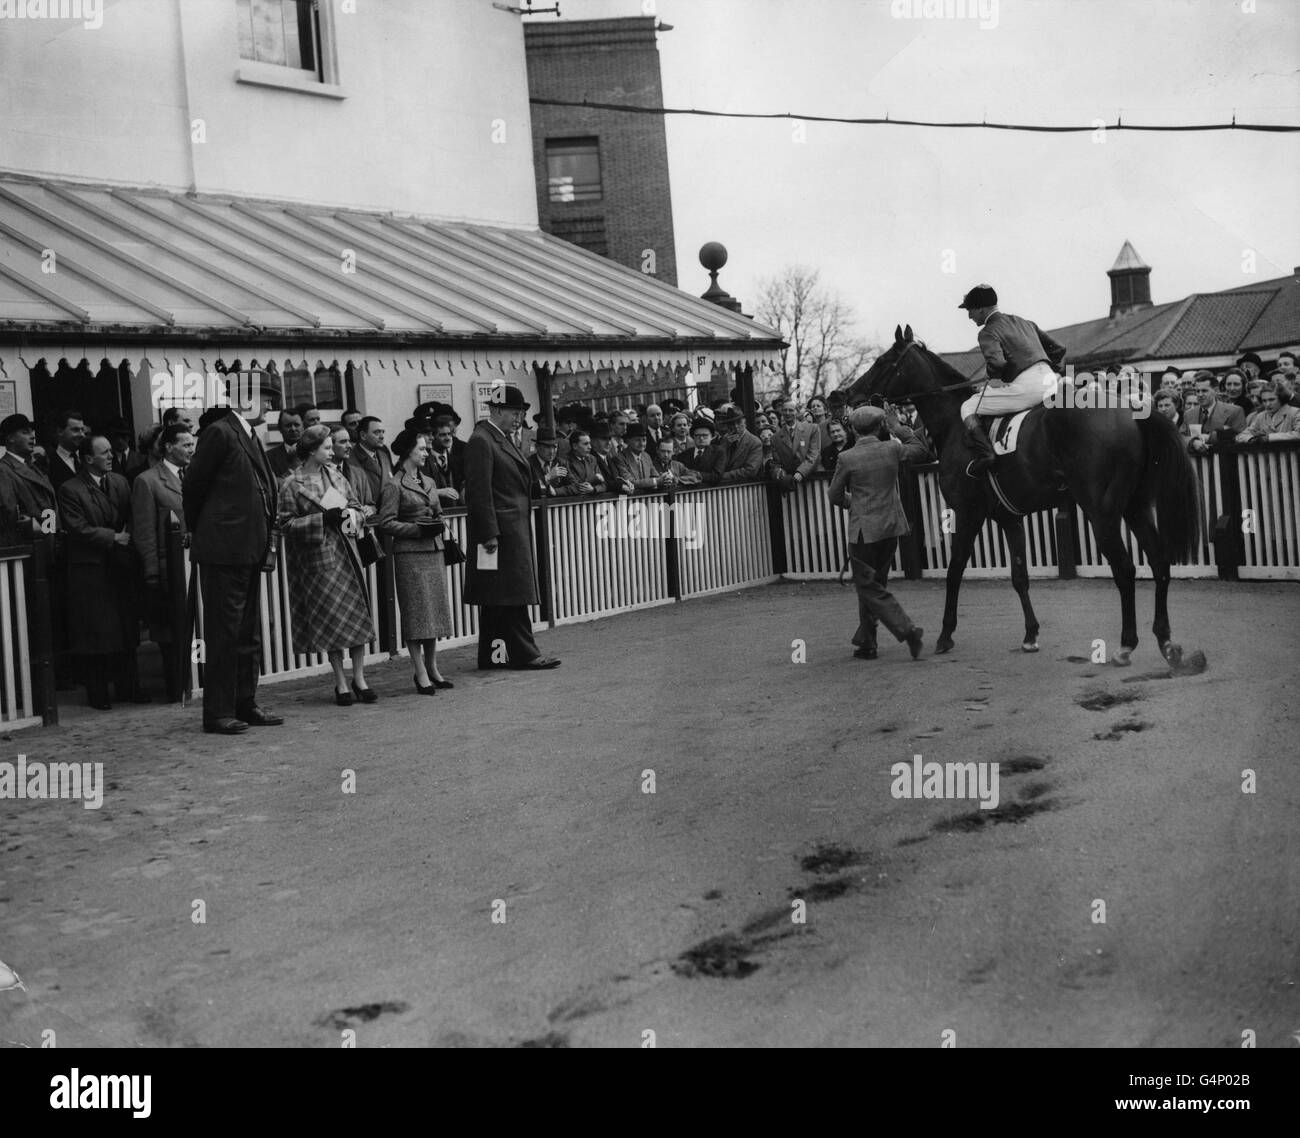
[268,205]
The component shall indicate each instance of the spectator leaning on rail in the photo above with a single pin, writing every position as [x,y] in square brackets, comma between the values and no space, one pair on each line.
[699,455]
[1277,421]
[1210,415]
[321,517]
[841,440]
[634,465]
[671,472]
[550,477]
[795,448]
[738,455]
[1022,361]
[583,468]
[866,484]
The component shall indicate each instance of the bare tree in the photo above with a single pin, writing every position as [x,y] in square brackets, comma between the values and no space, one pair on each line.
[820,326]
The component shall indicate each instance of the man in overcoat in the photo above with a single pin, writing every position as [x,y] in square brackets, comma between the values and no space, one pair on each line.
[156,504]
[499,522]
[95,506]
[230,497]
[28,507]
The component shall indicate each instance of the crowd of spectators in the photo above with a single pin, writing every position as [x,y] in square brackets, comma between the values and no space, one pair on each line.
[1242,404]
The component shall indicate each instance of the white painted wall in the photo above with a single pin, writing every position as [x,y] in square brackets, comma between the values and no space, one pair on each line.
[435,120]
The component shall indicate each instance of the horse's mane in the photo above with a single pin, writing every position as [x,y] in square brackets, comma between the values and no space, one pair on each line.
[949,374]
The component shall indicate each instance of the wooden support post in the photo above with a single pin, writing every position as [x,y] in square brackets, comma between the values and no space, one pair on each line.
[40,626]
[1067,564]
[909,547]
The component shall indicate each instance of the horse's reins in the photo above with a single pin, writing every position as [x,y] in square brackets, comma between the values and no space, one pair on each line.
[898,362]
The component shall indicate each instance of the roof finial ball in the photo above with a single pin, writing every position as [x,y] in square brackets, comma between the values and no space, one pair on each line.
[713,255]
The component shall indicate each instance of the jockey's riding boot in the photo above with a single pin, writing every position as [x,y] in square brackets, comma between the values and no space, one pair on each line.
[978,441]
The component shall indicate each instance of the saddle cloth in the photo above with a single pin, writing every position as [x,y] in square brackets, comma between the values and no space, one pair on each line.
[1004,431]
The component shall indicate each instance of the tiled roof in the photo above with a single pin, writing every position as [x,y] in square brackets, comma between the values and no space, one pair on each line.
[172,264]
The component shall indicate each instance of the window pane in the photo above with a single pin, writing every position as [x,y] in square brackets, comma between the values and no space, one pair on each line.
[277,31]
[573,170]
[329,389]
[297,386]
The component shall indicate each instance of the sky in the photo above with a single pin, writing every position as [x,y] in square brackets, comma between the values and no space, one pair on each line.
[901,221]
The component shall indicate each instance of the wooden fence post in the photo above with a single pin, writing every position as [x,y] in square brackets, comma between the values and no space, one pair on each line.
[40,629]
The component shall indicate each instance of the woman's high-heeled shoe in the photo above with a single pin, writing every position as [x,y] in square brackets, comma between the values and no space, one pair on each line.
[432,689]
[442,685]
[343,698]
[365,695]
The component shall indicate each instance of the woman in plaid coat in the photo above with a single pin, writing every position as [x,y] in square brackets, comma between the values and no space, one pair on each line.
[328,601]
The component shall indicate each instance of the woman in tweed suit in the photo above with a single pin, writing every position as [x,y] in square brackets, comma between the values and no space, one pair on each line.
[328,600]
[409,511]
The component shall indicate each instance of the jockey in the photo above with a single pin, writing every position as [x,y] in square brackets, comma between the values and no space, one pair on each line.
[1022,362]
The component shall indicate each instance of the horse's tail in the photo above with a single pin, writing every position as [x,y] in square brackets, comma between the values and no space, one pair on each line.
[1169,484]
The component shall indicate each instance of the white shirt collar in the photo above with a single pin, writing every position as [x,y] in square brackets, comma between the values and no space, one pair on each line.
[247,426]
[176,470]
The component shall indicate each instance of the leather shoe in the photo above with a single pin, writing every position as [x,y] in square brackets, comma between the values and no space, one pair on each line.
[254,716]
[225,726]
[913,639]
[537,664]
[865,653]
[365,695]
[443,685]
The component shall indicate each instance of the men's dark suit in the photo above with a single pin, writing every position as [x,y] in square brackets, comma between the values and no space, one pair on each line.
[60,471]
[229,499]
[157,500]
[25,495]
[377,467]
[444,471]
[281,461]
[101,586]
[499,505]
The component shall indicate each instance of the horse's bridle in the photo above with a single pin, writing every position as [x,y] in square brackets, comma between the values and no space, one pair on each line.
[898,362]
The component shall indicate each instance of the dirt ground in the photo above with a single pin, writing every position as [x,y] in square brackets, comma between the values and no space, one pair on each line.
[674,912]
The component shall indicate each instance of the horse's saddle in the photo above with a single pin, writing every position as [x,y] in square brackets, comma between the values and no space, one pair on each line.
[1004,430]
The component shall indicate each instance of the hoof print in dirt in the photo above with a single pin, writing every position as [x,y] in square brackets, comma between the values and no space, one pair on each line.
[723,957]
[1104,700]
[977,819]
[1021,764]
[823,890]
[341,1018]
[830,859]
[550,1039]
[1121,729]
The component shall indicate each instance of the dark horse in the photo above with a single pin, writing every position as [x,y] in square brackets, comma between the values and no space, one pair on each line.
[1117,465]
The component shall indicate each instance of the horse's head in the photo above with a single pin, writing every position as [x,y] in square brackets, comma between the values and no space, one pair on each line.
[894,373]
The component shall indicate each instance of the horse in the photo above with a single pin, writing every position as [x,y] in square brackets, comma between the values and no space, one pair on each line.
[1116,465]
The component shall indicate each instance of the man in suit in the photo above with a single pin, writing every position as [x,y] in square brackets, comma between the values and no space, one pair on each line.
[284,458]
[738,456]
[1211,414]
[654,427]
[448,475]
[584,471]
[796,446]
[634,465]
[500,525]
[700,456]
[550,477]
[371,456]
[229,497]
[96,510]
[157,504]
[602,447]
[28,506]
[671,472]
[866,484]
[71,431]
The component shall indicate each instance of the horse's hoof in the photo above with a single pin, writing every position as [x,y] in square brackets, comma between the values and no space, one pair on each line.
[1123,657]
[1029,646]
[1173,653]
[941,646]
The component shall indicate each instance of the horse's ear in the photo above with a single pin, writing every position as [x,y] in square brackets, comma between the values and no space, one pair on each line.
[898,333]
[907,332]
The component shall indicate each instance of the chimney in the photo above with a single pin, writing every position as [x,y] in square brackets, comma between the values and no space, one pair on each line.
[1130,282]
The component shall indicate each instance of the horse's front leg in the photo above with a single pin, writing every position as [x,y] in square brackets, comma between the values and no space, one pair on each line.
[1013,530]
[963,541]
[1113,548]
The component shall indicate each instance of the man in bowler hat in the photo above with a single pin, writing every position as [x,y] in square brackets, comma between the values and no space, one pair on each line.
[499,574]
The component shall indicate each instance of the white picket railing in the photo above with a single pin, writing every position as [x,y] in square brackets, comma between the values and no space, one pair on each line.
[1270,504]
[17,692]
[723,539]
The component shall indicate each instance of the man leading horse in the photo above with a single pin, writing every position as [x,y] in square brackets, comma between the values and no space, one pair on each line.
[1022,362]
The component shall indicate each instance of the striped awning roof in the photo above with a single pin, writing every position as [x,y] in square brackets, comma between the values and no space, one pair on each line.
[104,260]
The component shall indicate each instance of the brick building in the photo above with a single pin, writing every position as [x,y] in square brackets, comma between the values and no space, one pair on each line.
[602,176]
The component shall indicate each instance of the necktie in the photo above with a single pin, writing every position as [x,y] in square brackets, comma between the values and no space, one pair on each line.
[180,475]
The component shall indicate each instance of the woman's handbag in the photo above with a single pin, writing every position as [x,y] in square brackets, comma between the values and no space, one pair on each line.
[452,553]
[369,547]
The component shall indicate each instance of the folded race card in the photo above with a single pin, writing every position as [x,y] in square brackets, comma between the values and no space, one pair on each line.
[487,560]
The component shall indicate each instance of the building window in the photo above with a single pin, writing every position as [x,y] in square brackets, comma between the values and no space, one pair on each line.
[322,387]
[588,232]
[573,169]
[286,33]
